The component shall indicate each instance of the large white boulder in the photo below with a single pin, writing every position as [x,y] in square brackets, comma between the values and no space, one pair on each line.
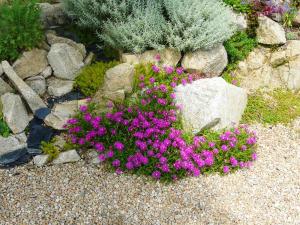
[211,62]
[210,103]
[269,32]
[65,60]
[14,112]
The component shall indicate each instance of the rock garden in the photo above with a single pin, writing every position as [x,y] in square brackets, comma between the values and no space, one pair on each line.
[150,112]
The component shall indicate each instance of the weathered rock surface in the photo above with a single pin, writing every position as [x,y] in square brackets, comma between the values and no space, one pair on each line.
[47,72]
[14,112]
[58,87]
[31,63]
[118,81]
[67,157]
[4,87]
[1,70]
[34,102]
[89,59]
[168,57]
[40,160]
[210,62]
[296,20]
[210,103]
[264,68]
[52,14]
[12,148]
[65,61]
[37,83]
[240,21]
[269,32]
[62,112]
[53,39]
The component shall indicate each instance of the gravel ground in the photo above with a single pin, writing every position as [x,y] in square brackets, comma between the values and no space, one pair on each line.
[269,193]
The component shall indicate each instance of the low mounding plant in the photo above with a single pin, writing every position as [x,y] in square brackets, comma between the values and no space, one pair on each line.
[239,5]
[20,28]
[146,136]
[197,24]
[140,31]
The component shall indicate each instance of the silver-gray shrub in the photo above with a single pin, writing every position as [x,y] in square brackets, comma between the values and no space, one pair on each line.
[142,30]
[197,24]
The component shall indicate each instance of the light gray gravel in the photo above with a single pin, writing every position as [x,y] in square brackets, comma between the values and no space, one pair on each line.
[79,193]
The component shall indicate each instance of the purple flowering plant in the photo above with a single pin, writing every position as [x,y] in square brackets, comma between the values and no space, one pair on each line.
[146,137]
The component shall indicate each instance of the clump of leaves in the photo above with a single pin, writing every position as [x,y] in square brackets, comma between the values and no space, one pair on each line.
[91,77]
[280,106]
[50,149]
[20,28]
[239,46]
[238,5]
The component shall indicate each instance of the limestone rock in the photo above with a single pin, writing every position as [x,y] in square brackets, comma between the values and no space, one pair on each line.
[37,83]
[34,102]
[67,157]
[1,70]
[53,39]
[58,87]
[4,87]
[62,112]
[89,59]
[240,21]
[12,148]
[46,72]
[14,112]
[65,61]
[269,32]
[118,78]
[31,63]
[210,103]
[40,160]
[210,62]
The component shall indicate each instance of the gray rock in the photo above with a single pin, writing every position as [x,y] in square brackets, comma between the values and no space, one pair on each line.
[58,87]
[210,103]
[38,84]
[269,32]
[118,78]
[4,87]
[1,70]
[31,63]
[14,112]
[34,102]
[62,112]
[65,61]
[40,160]
[52,14]
[240,21]
[210,62]
[47,72]
[89,59]
[67,157]
[53,39]
[12,148]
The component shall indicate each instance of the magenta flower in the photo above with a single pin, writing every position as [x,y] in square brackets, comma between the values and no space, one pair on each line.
[83,108]
[180,70]
[119,145]
[116,163]
[173,84]
[156,174]
[226,169]
[169,69]
[233,161]
[102,157]
[183,81]
[224,148]
[155,69]
[152,80]
[254,156]
[157,57]
[99,147]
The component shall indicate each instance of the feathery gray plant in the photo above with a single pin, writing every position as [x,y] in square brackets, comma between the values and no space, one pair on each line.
[197,24]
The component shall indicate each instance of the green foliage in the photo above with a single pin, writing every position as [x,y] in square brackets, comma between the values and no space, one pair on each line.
[50,149]
[230,76]
[280,106]
[238,5]
[4,129]
[239,46]
[91,77]
[292,35]
[20,28]
[197,24]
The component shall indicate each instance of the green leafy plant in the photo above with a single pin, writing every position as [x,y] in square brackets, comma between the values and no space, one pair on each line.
[50,149]
[20,28]
[239,46]
[239,5]
[91,77]
[4,129]
[279,106]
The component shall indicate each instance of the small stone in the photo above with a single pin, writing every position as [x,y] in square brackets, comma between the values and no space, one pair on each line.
[65,61]
[67,157]
[31,63]
[47,72]
[38,84]
[269,32]
[58,87]
[14,112]
[210,62]
[40,160]
[4,87]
